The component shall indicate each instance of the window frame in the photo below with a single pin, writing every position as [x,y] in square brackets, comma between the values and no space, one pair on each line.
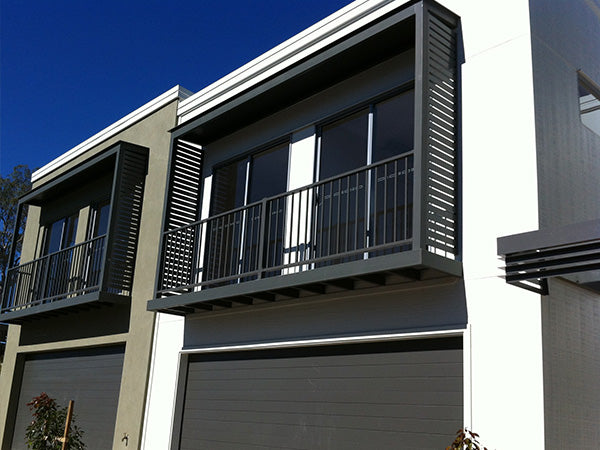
[347,112]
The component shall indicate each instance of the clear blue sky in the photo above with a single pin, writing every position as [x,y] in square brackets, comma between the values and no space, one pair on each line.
[70,68]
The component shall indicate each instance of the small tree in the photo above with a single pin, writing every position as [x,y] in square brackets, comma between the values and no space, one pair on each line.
[48,424]
[466,440]
[11,188]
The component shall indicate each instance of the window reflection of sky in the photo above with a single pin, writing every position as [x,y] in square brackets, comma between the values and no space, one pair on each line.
[589,108]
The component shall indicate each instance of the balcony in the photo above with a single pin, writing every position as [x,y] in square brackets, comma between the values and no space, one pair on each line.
[392,222]
[355,229]
[66,276]
[89,274]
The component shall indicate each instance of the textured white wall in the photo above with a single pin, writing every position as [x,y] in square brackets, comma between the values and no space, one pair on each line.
[499,197]
[168,340]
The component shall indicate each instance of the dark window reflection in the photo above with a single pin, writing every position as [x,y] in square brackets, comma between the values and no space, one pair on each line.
[269,173]
[393,126]
[344,144]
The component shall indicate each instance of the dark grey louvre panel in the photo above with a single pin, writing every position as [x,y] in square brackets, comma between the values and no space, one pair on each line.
[125,222]
[184,185]
[92,378]
[440,141]
[370,396]
[183,209]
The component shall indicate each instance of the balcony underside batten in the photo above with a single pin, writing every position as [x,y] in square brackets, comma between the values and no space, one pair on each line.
[387,270]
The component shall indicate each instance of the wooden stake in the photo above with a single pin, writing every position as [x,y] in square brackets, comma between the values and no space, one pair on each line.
[67,424]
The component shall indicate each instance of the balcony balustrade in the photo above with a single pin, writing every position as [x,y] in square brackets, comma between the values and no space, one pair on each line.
[357,216]
[64,274]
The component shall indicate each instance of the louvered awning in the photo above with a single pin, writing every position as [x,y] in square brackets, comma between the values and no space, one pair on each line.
[571,251]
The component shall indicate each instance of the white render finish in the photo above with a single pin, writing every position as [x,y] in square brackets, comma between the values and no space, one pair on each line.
[499,197]
[168,340]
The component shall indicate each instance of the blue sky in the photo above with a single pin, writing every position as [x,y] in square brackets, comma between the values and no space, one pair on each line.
[70,68]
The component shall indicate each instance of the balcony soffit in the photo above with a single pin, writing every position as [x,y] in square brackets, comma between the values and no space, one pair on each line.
[390,36]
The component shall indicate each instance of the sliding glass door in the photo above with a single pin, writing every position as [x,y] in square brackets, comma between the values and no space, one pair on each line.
[371,207]
[234,232]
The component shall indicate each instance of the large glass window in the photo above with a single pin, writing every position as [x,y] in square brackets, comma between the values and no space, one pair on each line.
[234,238]
[372,207]
[60,234]
[380,131]
[589,104]
[99,219]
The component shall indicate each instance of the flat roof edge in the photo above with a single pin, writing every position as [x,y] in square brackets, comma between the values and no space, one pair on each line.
[176,92]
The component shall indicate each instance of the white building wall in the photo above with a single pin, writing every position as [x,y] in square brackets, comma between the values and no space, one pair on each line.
[162,382]
[499,197]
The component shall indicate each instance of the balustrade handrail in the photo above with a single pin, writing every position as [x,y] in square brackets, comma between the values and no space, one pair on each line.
[68,272]
[294,191]
[64,250]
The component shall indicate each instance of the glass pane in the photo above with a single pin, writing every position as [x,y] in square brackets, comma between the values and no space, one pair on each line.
[70,231]
[269,173]
[393,126]
[344,145]
[589,107]
[229,186]
[101,219]
[54,237]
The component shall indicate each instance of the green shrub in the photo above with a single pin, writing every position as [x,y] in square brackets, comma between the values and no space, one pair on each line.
[47,427]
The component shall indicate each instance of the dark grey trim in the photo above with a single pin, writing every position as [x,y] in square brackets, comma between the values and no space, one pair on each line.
[13,243]
[39,311]
[540,239]
[179,400]
[35,196]
[415,261]
[534,256]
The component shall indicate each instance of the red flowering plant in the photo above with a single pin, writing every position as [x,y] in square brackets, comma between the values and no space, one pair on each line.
[466,440]
[46,430]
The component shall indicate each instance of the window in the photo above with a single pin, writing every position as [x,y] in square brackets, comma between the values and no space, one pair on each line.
[372,207]
[377,132]
[235,237]
[99,219]
[60,234]
[248,180]
[589,103]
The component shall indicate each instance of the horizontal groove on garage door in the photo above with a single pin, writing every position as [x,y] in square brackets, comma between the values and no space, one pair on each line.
[91,377]
[362,396]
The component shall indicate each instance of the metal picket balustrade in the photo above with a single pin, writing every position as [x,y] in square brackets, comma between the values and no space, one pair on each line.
[360,214]
[70,272]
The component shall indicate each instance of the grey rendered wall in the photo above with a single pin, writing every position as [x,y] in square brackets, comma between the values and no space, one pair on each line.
[566,38]
[571,336]
[406,308]
[135,330]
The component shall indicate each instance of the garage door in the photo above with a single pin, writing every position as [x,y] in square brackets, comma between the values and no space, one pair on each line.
[402,394]
[91,378]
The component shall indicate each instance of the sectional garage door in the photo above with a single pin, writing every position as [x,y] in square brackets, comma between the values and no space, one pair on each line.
[401,394]
[92,378]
